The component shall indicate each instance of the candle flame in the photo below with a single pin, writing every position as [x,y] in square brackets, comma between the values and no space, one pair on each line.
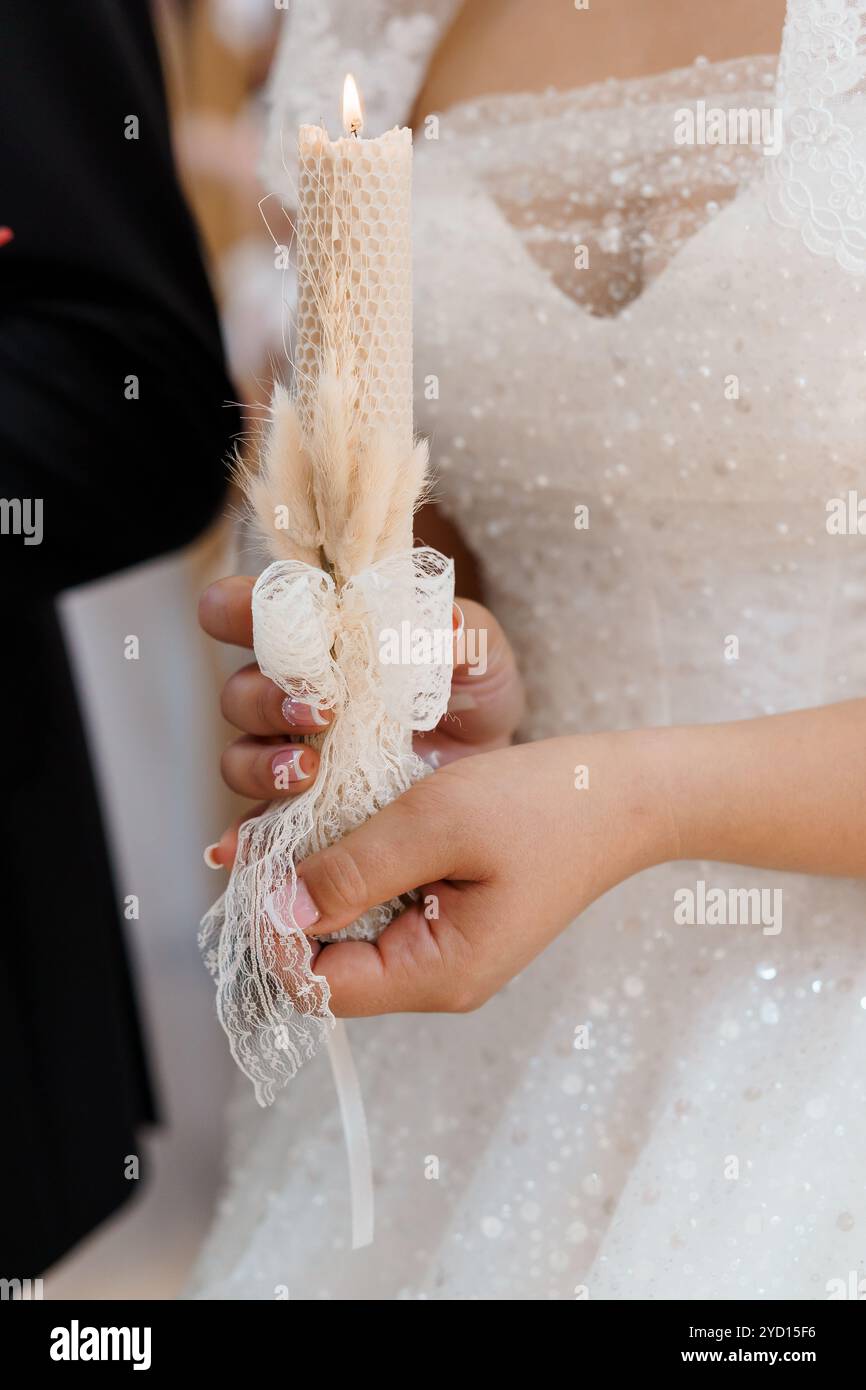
[353,116]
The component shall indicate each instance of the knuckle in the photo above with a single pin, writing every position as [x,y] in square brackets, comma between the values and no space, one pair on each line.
[464,986]
[457,989]
[340,885]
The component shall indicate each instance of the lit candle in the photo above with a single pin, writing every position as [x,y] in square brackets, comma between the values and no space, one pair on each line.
[338,478]
[354,267]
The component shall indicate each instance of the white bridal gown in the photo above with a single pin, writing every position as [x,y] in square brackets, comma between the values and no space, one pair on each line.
[700,386]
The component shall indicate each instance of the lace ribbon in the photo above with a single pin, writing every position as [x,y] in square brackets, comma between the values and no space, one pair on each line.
[355,1134]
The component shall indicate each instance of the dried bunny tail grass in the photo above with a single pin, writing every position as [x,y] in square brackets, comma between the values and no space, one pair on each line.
[387,486]
[365,484]
[377,463]
[410,485]
[337,495]
[280,492]
[332,446]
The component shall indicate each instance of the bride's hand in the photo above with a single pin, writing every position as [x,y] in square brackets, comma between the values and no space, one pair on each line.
[266,763]
[506,848]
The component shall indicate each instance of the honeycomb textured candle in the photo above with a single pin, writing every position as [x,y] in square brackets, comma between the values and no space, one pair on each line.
[355,271]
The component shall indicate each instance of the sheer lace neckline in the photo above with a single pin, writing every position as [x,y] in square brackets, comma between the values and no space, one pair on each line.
[611,91]
[590,182]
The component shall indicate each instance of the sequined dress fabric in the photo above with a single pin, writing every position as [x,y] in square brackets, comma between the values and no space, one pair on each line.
[695,377]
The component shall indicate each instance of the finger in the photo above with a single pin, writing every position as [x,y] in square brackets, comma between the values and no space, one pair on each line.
[420,837]
[225,610]
[255,704]
[221,854]
[420,963]
[486,701]
[258,769]
[362,975]
[437,748]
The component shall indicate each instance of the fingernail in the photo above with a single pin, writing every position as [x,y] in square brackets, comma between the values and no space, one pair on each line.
[287,912]
[296,712]
[304,911]
[291,765]
[210,856]
[431,756]
[458,622]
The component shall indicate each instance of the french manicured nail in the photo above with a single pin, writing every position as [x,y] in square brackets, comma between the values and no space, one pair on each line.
[303,910]
[210,856]
[291,765]
[287,912]
[296,712]
[458,622]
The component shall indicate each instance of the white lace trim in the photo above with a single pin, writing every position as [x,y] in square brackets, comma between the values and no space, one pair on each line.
[817,184]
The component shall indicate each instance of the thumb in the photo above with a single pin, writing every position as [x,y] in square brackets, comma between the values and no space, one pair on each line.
[387,856]
[486,691]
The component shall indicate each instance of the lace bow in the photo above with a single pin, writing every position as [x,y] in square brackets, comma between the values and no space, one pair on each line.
[378,652]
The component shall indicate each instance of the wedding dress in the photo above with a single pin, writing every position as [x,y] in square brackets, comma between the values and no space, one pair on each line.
[651,1110]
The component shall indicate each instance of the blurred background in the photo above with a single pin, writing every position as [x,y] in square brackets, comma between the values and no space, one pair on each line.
[162,797]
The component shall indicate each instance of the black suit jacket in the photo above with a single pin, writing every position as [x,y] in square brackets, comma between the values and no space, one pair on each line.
[103,282]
